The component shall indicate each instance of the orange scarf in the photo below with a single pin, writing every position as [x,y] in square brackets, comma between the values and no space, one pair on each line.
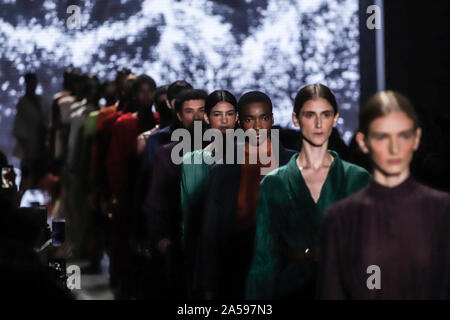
[249,186]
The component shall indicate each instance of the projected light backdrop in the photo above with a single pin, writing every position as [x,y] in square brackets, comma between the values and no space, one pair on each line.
[276,46]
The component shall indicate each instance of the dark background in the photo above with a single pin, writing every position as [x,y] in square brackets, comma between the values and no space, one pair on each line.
[417,64]
[417,51]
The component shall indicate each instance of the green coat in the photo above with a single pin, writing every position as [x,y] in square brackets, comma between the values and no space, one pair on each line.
[288,219]
[194,179]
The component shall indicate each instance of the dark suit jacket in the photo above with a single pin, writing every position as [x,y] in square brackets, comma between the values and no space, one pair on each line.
[154,142]
[163,204]
[142,181]
[162,207]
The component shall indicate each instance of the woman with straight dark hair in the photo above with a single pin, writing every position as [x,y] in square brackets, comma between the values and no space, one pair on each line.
[391,240]
[228,235]
[220,114]
[292,200]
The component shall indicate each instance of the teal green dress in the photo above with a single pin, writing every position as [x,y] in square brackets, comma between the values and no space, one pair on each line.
[194,179]
[288,220]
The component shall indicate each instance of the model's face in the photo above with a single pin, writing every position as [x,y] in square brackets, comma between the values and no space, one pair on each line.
[316,118]
[110,89]
[161,103]
[191,111]
[256,116]
[162,99]
[124,84]
[223,116]
[391,142]
[145,95]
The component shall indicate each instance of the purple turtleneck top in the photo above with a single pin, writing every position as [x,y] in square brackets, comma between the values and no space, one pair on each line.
[387,243]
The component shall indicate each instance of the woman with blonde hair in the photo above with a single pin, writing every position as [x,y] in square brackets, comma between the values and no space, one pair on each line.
[391,240]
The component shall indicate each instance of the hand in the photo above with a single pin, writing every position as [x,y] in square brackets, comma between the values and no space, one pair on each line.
[50,252]
[61,252]
[11,177]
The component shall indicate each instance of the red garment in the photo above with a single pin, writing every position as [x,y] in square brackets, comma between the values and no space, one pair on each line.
[98,143]
[121,147]
[156,117]
[249,190]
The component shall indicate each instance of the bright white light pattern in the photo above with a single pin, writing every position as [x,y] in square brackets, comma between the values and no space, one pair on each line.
[276,46]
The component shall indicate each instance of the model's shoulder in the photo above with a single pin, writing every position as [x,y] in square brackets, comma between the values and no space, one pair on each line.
[352,203]
[93,114]
[22,99]
[121,121]
[278,177]
[353,169]
[434,195]
[189,157]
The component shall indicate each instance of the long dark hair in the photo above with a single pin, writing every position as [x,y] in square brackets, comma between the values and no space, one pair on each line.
[146,120]
[219,96]
[314,91]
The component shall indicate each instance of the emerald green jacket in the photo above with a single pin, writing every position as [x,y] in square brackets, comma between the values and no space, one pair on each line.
[194,179]
[288,219]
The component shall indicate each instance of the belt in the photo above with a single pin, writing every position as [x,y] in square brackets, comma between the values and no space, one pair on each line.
[308,254]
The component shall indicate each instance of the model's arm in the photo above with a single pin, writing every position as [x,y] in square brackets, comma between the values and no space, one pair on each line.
[330,285]
[263,271]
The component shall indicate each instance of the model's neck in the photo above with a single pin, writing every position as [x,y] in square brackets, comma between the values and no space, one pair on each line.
[263,147]
[30,93]
[314,156]
[390,181]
